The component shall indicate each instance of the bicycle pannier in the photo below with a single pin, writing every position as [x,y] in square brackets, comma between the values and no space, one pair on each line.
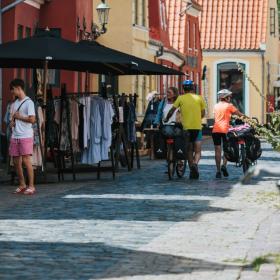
[231,148]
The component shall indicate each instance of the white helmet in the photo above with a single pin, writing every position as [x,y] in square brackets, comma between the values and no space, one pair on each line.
[224,93]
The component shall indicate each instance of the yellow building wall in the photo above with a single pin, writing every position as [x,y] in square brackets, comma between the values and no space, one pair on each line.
[272,52]
[269,63]
[122,35]
[254,63]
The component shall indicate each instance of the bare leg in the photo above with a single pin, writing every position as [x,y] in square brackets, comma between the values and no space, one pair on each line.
[224,161]
[218,157]
[27,161]
[190,155]
[18,166]
[197,152]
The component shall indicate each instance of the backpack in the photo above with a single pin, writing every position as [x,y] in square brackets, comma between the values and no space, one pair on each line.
[253,148]
[231,148]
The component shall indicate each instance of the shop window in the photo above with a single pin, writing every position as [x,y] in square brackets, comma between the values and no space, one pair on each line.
[277,99]
[20,32]
[111,81]
[27,32]
[163,15]
[135,12]
[272,21]
[190,43]
[229,77]
[194,37]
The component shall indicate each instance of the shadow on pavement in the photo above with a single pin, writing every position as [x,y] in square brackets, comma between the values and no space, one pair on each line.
[111,209]
[21,260]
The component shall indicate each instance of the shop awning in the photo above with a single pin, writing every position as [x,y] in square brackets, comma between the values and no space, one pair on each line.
[83,57]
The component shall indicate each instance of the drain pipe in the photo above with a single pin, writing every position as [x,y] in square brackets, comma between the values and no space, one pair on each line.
[263,49]
[263,100]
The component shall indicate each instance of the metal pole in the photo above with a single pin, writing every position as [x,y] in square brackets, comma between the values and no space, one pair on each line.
[0,78]
[262,99]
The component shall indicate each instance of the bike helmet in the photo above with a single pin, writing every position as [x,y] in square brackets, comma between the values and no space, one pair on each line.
[188,85]
[224,93]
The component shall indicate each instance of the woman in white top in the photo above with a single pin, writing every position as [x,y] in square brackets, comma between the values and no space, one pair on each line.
[165,105]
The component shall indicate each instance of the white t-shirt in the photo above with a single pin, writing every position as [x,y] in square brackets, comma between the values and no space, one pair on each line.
[23,129]
[166,109]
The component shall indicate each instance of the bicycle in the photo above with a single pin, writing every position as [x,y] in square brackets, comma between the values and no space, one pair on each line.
[174,163]
[244,160]
[242,132]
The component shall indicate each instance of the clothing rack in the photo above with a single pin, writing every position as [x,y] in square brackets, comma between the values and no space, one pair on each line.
[61,154]
[128,145]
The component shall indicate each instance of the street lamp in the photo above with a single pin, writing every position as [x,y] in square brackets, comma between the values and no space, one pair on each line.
[96,31]
[103,15]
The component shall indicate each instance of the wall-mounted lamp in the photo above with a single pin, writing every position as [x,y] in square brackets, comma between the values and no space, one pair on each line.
[103,16]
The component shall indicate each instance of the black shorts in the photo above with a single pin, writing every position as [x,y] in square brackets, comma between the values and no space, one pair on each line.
[217,138]
[195,135]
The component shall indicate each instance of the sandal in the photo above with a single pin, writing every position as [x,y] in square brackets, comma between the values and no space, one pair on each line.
[19,190]
[29,191]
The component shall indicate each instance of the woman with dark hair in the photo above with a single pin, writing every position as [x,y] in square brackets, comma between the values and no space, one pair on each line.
[165,105]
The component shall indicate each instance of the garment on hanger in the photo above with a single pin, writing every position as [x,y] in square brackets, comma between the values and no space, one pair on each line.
[131,119]
[64,132]
[37,154]
[51,125]
[86,101]
[107,118]
[8,118]
[150,114]
[74,108]
[99,127]
[81,127]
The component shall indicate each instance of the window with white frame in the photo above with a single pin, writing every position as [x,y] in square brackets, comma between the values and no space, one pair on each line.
[139,12]
[189,35]
[272,21]
[194,36]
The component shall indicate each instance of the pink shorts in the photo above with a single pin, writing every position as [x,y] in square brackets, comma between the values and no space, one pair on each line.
[21,147]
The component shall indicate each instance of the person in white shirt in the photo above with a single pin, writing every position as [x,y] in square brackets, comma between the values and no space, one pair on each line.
[165,106]
[21,144]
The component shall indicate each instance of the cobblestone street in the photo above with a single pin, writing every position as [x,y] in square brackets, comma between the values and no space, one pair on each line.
[143,226]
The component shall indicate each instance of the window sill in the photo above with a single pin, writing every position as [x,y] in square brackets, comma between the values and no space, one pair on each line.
[143,28]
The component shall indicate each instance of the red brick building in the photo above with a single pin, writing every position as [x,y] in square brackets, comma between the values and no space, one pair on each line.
[61,16]
[174,31]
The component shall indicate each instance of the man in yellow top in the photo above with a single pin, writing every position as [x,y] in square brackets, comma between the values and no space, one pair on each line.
[192,108]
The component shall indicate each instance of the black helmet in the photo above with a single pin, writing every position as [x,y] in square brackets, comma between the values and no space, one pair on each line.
[188,85]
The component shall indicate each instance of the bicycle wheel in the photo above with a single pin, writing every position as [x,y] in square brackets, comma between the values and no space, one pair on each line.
[245,162]
[171,162]
[181,168]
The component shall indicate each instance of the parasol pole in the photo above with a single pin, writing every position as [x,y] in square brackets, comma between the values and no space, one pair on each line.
[45,82]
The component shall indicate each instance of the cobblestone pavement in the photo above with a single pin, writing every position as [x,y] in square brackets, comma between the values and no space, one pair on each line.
[143,226]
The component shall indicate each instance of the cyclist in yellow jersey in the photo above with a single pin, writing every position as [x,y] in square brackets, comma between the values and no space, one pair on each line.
[192,108]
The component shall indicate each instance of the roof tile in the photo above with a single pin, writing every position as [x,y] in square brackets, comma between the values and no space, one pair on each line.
[233,24]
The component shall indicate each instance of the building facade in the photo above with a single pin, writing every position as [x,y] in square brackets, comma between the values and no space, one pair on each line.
[61,17]
[237,35]
[128,31]
[164,32]
[174,34]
